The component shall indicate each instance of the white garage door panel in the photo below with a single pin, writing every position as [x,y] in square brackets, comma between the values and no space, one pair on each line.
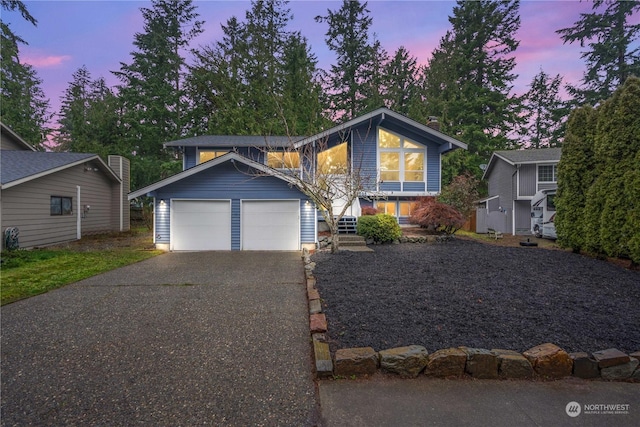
[271,225]
[200,225]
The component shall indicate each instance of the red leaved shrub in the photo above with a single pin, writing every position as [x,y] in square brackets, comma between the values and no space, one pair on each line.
[368,210]
[436,216]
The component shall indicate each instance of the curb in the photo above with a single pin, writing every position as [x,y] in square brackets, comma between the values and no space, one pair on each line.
[546,361]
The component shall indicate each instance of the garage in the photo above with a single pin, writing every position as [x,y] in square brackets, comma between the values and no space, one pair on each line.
[270,225]
[200,225]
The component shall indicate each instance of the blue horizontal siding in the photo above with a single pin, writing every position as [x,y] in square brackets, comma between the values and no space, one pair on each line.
[413,186]
[364,154]
[390,186]
[224,182]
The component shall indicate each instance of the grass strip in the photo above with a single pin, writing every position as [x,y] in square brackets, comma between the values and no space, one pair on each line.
[27,273]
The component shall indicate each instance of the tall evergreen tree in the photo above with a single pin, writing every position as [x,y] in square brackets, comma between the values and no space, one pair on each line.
[576,172]
[151,92]
[545,112]
[89,117]
[301,105]
[470,78]
[348,37]
[611,56]
[401,76]
[375,88]
[23,105]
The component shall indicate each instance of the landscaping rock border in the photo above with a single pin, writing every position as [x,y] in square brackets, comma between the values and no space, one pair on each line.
[545,361]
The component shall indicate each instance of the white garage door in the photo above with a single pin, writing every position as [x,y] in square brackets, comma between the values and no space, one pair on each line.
[270,225]
[200,225]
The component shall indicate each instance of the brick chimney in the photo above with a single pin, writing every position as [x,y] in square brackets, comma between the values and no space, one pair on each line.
[433,123]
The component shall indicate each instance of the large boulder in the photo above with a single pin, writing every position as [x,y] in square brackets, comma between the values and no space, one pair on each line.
[481,363]
[512,364]
[549,361]
[610,357]
[584,366]
[620,372]
[448,362]
[405,361]
[356,361]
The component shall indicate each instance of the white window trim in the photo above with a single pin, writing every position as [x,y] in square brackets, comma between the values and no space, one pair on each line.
[402,151]
[554,173]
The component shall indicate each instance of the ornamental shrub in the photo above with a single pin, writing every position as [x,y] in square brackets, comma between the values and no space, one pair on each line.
[382,228]
[436,216]
[369,210]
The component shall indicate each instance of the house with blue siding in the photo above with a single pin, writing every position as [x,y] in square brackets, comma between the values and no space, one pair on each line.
[513,178]
[243,192]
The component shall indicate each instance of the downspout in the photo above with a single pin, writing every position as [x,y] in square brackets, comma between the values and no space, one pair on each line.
[78,214]
[513,199]
[121,194]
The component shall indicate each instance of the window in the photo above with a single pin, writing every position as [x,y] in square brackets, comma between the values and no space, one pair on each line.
[406,208]
[61,205]
[283,160]
[388,208]
[399,158]
[547,173]
[206,155]
[334,160]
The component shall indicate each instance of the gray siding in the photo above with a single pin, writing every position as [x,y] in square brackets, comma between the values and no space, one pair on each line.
[7,143]
[527,180]
[224,182]
[502,182]
[27,206]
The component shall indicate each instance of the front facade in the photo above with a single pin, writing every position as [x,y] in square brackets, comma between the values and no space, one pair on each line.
[50,198]
[246,181]
[513,178]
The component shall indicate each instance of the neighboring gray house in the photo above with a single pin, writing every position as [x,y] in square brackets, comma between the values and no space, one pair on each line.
[513,178]
[58,197]
[217,203]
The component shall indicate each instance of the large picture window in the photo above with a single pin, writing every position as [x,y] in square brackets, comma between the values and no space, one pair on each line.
[61,205]
[400,159]
[547,173]
[334,160]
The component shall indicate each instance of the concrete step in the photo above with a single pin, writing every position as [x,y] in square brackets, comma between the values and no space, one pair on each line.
[350,238]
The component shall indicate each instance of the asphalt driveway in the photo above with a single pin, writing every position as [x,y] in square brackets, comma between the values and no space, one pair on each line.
[202,338]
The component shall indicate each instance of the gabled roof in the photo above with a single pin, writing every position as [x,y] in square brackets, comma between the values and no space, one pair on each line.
[382,115]
[227,141]
[22,166]
[6,129]
[522,157]
[229,157]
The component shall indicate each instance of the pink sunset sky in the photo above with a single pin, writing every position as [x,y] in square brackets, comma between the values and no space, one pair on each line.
[99,34]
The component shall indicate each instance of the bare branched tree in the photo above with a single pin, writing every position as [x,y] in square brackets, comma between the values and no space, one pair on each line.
[325,171]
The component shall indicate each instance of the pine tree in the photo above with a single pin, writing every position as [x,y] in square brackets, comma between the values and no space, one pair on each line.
[469,79]
[23,105]
[301,106]
[348,37]
[545,112]
[89,117]
[152,95]
[611,56]
[401,75]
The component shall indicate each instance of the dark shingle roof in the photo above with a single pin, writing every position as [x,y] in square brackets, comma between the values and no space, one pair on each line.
[22,164]
[235,141]
[533,155]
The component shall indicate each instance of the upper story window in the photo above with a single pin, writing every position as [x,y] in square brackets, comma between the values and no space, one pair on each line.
[283,159]
[61,205]
[400,159]
[206,155]
[547,173]
[333,161]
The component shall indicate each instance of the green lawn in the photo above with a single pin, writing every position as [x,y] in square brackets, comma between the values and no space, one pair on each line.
[25,273]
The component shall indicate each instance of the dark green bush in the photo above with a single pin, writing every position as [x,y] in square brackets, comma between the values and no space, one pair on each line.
[382,228]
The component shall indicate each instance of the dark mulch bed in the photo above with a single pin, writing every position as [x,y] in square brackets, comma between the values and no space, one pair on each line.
[477,295]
